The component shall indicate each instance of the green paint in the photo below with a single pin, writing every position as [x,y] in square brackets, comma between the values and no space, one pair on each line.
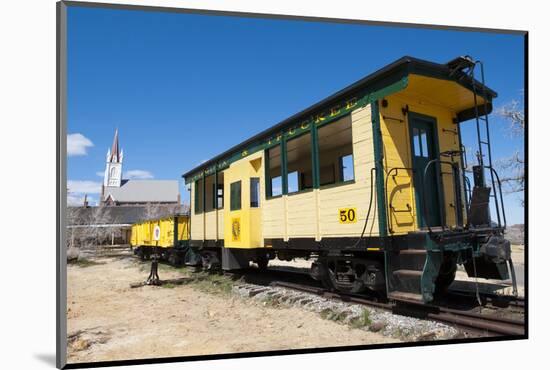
[235,203]
[380,197]
[315,157]
[284,165]
[429,274]
[423,139]
[215,194]
[378,160]
[175,231]
[204,194]
[267,174]
[196,190]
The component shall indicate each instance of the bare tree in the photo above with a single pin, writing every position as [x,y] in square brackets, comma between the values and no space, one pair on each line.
[72,219]
[185,208]
[515,116]
[89,227]
[98,234]
[152,211]
[514,166]
[156,210]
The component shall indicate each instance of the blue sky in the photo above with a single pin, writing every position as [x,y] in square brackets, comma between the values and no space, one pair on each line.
[182,88]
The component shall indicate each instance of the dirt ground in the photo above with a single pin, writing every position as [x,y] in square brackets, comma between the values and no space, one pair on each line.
[109,320]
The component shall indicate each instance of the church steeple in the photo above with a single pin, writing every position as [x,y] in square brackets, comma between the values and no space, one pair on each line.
[114,155]
[113,168]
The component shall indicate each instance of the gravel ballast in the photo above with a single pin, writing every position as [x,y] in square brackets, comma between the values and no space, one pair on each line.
[359,316]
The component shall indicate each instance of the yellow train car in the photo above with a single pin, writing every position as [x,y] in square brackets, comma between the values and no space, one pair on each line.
[371,182]
[167,236]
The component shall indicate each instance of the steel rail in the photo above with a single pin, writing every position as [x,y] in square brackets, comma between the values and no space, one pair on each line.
[484,323]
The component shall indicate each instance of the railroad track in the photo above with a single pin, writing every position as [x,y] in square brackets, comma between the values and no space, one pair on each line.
[479,324]
[494,299]
[470,322]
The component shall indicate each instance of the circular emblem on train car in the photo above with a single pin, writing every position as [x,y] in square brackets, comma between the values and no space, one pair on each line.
[156,233]
[236,229]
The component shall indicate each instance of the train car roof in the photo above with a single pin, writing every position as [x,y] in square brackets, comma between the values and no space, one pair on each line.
[387,75]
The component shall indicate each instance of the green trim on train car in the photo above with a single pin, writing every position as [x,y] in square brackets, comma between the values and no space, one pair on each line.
[215,195]
[204,194]
[196,205]
[284,169]
[175,231]
[378,160]
[267,175]
[315,157]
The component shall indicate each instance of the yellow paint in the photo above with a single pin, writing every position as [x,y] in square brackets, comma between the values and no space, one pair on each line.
[249,219]
[445,94]
[142,232]
[441,100]
[347,215]
[210,225]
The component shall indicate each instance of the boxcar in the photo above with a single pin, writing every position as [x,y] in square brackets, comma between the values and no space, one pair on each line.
[371,182]
[167,236]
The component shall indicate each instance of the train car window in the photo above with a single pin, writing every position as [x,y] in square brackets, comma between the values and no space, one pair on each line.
[235,196]
[416,143]
[254,192]
[219,193]
[424,143]
[420,142]
[219,196]
[198,196]
[299,168]
[274,174]
[336,152]
[210,194]
[293,182]
[346,168]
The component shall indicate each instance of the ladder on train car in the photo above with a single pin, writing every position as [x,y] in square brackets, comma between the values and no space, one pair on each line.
[484,153]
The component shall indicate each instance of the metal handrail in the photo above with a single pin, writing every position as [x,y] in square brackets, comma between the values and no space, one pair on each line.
[457,196]
[500,193]
[388,174]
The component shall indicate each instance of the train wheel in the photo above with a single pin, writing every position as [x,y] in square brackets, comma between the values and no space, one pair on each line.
[211,260]
[262,262]
[172,258]
[140,254]
[354,287]
[342,277]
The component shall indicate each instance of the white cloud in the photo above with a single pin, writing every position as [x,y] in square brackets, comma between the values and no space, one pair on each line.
[137,174]
[84,187]
[100,173]
[77,144]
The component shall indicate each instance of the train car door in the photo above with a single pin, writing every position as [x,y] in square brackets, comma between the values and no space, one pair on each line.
[424,148]
[242,217]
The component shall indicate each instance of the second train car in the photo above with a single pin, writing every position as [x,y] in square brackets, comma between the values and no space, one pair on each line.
[168,237]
